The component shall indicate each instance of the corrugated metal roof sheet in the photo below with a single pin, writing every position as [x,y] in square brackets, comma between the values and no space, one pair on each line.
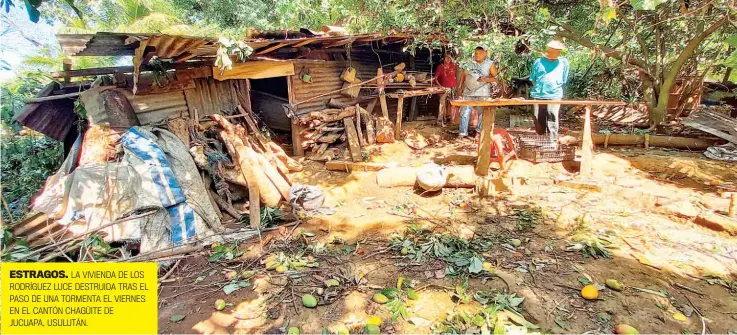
[168,46]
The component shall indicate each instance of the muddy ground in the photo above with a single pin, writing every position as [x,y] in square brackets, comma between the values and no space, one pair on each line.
[635,200]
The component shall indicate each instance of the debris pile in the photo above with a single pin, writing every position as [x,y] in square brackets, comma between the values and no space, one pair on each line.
[343,131]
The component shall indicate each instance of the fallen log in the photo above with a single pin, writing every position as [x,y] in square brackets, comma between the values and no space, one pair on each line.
[653,141]
[717,222]
[329,115]
[230,175]
[249,165]
[292,164]
[458,177]
[228,208]
[273,175]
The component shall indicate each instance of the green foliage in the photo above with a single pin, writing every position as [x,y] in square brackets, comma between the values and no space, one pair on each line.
[13,249]
[460,255]
[226,252]
[97,247]
[23,177]
[646,4]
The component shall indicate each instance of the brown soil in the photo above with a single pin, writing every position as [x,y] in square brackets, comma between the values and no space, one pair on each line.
[653,248]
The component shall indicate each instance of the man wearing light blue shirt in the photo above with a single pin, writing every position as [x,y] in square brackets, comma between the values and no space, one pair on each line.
[549,75]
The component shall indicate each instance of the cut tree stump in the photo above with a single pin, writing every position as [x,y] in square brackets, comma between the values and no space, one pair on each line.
[484,152]
[353,142]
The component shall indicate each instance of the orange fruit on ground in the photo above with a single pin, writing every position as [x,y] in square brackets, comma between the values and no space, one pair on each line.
[590,292]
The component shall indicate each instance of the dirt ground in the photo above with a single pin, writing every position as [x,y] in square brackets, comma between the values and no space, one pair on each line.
[635,200]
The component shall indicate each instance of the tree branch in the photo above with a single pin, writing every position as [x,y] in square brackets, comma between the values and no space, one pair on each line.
[608,52]
[670,75]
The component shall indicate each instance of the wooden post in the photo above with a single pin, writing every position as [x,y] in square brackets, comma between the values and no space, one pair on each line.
[587,145]
[412,109]
[484,153]
[297,138]
[353,143]
[382,97]
[67,66]
[398,124]
[732,205]
[441,108]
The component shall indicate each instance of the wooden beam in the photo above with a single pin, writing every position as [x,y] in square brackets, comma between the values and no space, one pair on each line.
[371,106]
[484,153]
[412,109]
[382,96]
[296,138]
[256,70]
[417,93]
[521,102]
[303,43]
[587,146]
[353,142]
[271,48]
[398,124]
[339,43]
[123,69]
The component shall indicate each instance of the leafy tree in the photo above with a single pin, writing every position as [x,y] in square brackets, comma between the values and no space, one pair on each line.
[658,40]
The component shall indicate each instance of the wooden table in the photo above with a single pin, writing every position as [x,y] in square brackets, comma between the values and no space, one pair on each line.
[400,95]
[487,126]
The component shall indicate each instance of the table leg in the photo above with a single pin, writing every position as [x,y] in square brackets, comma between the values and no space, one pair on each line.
[442,109]
[398,124]
[587,145]
[484,153]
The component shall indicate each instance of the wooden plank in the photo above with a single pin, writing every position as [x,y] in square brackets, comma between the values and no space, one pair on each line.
[353,145]
[271,48]
[587,144]
[256,70]
[398,124]
[347,166]
[382,96]
[412,109]
[521,102]
[484,153]
[370,132]
[371,106]
[417,93]
[303,43]
[297,139]
[359,129]
[710,130]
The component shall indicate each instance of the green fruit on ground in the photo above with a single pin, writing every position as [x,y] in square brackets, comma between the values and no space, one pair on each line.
[374,320]
[340,329]
[309,301]
[281,269]
[479,320]
[293,331]
[515,242]
[404,251]
[625,329]
[247,274]
[332,283]
[380,298]
[271,265]
[412,294]
[220,304]
[373,329]
[614,284]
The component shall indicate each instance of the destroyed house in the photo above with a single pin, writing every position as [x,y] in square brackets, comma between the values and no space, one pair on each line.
[170,145]
[287,76]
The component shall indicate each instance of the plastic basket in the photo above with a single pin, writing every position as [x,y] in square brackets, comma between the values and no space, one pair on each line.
[541,148]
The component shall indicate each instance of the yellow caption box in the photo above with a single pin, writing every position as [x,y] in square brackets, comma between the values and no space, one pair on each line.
[79,298]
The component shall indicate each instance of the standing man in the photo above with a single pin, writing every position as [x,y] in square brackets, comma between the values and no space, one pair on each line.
[549,75]
[475,84]
[445,76]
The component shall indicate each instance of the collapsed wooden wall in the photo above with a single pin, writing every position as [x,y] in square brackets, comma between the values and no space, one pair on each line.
[210,96]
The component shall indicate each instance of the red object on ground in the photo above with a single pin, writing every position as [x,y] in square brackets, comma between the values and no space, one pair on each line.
[502,147]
